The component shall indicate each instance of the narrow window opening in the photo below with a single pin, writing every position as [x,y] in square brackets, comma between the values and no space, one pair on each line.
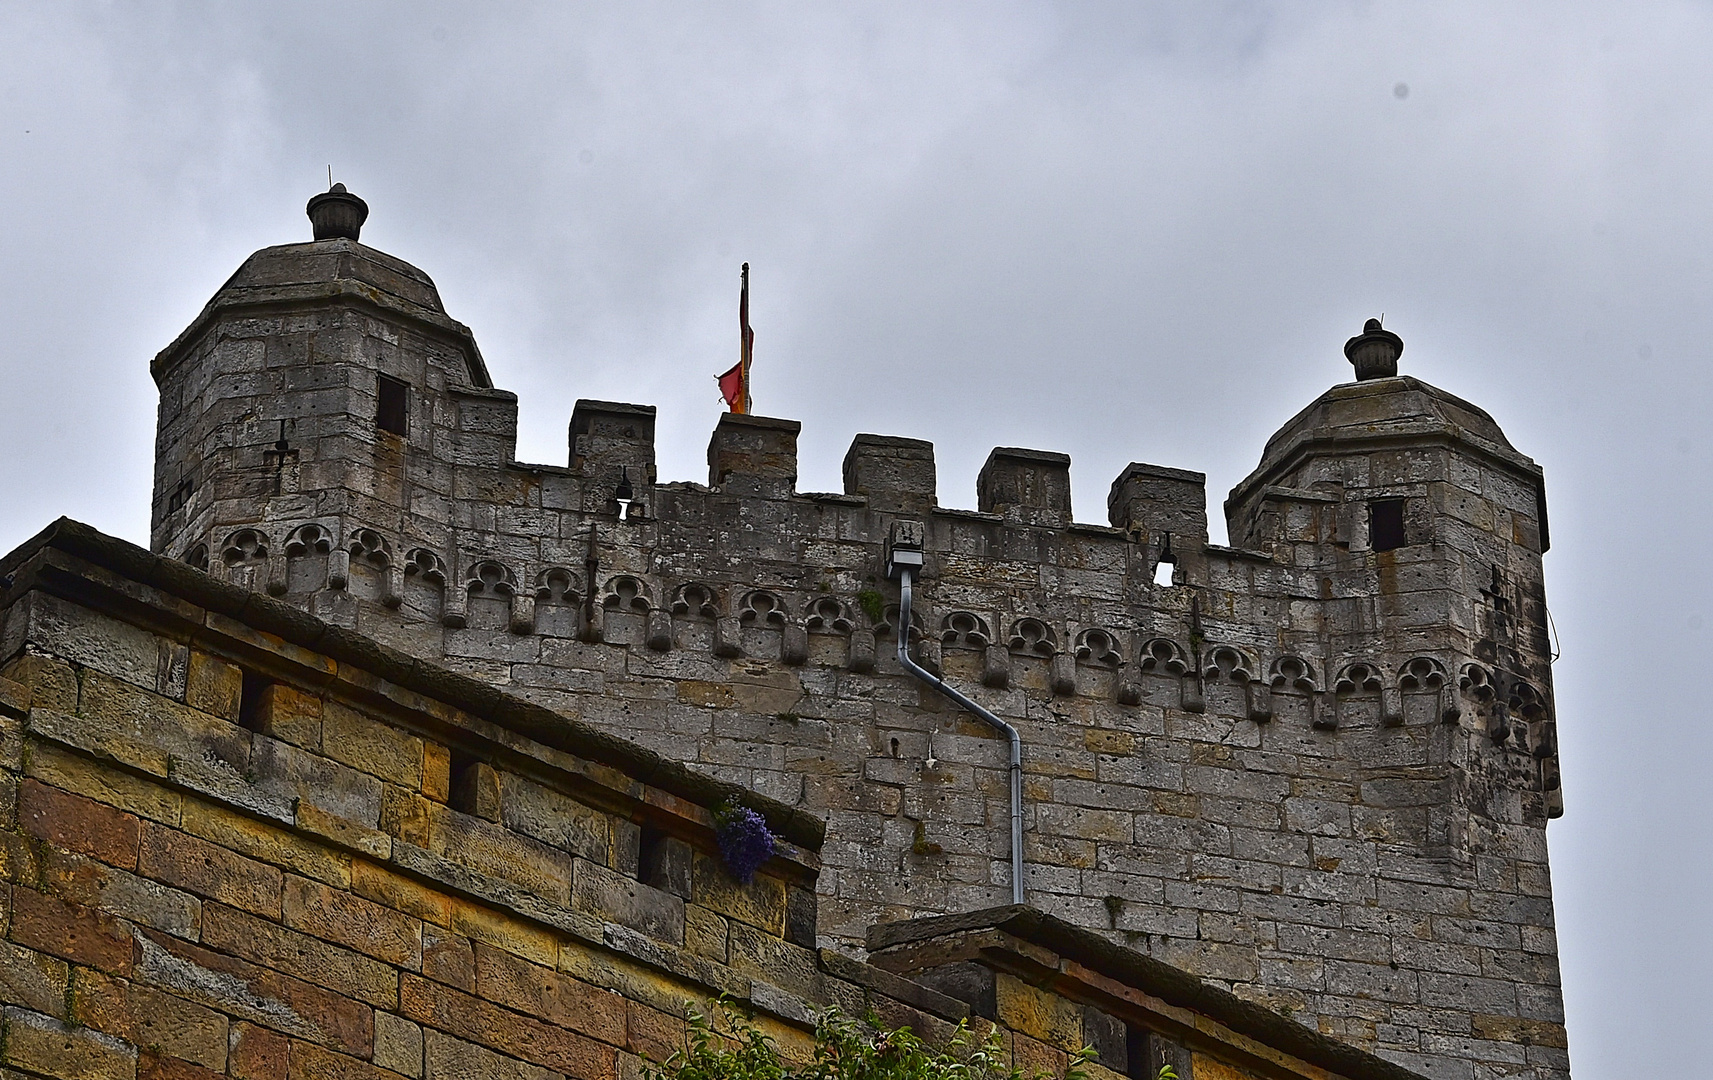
[1386,524]
[651,847]
[251,697]
[1136,1053]
[392,409]
[462,788]
[1167,563]
[1147,1052]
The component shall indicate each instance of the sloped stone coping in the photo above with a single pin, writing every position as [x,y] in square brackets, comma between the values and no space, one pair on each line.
[1081,965]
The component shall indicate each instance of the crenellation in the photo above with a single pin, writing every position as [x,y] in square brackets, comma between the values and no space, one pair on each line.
[891,474]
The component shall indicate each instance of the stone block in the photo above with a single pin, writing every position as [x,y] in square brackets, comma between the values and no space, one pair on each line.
[398,1045]
[268,843]
[371,746]
[33,980]
[287,713]
[538,1043]
[761,903]
[257,994]
[87,883]
[754,455]
[449,1058]
[74,823]
[548,995]
[213,686]
[71,932]
[553,817]
[895,475]
[147,1018]
[1028,486]
[349,920]
[190,863]
[49,1047]
[611,896]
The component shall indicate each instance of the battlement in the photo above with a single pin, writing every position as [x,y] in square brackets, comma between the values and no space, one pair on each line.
[1304,765]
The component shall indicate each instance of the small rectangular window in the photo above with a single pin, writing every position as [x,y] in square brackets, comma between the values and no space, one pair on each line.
[1386,524]
[180,495]
[393,405]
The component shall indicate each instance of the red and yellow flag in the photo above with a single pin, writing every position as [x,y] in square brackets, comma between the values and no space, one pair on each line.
[734,384]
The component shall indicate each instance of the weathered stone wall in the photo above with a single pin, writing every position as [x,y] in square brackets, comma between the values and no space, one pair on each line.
[1313,770]
[236,842]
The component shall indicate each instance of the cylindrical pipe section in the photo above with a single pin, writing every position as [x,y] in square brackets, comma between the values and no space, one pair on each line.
[1011,734]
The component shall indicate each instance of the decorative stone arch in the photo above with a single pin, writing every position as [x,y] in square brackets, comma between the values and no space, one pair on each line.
[696,600]
[490,578]
[828,615]
[1161,656]
[313,538]
[1295,675]
[1228,666]
[557,585]
[1292,672]
[1230,663]
[247,560]
[245,547]
[197,557]
[1480,687]
[557,596]
[423,563]
[369,551]
[1032,637]
[490,587]
[1357,684]
[371,547]
[964,629]
[762,608]
[1100,648]
[423,572]
[1424,677]
[1534,719]
[924,647]
[626,592]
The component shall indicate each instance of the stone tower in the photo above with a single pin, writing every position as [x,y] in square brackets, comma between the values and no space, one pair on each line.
[1315,766]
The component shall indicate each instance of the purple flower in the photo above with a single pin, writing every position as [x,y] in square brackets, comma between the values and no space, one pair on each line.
[745,842]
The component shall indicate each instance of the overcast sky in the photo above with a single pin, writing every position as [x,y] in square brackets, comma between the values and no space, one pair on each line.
[1127,232]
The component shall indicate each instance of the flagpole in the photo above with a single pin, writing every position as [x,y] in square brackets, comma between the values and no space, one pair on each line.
[746,341]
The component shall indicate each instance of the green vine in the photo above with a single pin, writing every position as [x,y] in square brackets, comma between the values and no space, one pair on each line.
[727,1045]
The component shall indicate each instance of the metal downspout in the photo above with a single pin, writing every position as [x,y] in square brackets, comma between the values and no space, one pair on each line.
[1016,741]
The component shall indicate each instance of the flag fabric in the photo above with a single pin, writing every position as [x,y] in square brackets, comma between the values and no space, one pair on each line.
[731,387]
[734,384]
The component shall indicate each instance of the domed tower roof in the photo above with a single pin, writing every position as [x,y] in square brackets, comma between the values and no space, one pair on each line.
[1379,412]
[332,268]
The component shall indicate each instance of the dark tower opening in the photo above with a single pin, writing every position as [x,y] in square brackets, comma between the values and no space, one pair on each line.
[392,410]
[1386,524]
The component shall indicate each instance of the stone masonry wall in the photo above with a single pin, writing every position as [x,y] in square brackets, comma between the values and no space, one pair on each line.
[226,854]
[1313,770]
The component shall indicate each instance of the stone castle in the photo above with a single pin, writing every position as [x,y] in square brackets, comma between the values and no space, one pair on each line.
[1309,773]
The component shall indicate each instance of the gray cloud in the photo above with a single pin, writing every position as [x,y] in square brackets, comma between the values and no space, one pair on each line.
[1126,231]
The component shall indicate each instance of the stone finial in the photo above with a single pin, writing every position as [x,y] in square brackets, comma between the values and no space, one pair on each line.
[337,214]
[1374,352]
